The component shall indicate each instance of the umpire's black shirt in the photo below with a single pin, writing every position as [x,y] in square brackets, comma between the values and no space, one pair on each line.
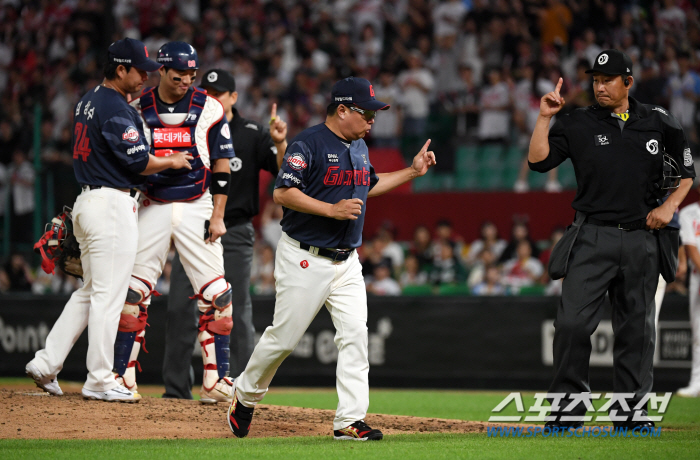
[615,162]
[255,150]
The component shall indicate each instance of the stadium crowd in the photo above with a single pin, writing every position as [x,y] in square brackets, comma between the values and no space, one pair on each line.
[460,71]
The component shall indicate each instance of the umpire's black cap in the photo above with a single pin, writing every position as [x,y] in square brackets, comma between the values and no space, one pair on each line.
[218,80]
[131,52]
[612,62]
[356,91]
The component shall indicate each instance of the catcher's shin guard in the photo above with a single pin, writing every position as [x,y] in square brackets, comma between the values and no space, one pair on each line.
[215,325]
[132,331]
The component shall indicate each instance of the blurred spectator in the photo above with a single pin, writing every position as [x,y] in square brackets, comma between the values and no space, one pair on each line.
[462,105]
[646,87]
[488,240]
[58,283]
[16,275]
[262,277]
[520,231]
[494,109]
[373,255]
[421,247]
[683,90]
[491,285]
[412,275]
[523,270]
[381,282]
[22,179]
[446,266]
[386,130]
[477,274]
[386,234]
[444,233]
[416,83]
[555,20]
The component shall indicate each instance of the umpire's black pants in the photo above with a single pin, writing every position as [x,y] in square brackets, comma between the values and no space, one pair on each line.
[183,318]
[624,264]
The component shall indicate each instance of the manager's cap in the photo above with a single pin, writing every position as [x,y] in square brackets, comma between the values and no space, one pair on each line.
[356,91]
[128,51]
[612,62]
[218,80]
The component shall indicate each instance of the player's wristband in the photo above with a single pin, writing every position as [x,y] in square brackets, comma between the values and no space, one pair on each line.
[219,184]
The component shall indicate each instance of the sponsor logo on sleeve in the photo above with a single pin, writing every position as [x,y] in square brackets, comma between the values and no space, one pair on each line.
[653,146]
[291,177]
[659,109]
[136,148]
[131,134]
[226,146]
[236,164]
[297,162]
[687,157]
[251,126]
[226,131]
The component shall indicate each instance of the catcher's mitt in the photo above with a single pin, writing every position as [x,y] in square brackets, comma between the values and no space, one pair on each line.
[58,246]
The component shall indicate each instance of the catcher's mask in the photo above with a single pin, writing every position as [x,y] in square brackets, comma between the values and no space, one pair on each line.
[671,175]
[55,233]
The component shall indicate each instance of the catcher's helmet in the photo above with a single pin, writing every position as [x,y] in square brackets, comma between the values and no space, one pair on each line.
[178,55]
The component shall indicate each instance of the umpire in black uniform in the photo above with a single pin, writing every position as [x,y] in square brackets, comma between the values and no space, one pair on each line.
[617,147]
[257,148]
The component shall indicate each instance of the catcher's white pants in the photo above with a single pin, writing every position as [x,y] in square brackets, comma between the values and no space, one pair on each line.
[694,295]
[105,225]
[301,292]
[183,222]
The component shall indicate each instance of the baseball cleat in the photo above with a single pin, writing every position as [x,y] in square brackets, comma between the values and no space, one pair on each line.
[691,391]
[358,431]
[239,418]
[222,392]
[120,381]
[48,384]
[116,394]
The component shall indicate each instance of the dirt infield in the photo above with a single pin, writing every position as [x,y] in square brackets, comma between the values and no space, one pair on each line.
[28,413]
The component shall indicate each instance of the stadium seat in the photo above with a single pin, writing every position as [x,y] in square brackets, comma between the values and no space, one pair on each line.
[453,289]
[421,290]
[532,290]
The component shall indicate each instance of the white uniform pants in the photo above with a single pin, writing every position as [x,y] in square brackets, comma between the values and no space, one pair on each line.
[183,222]
[301,292]
[105,225]
[695,327]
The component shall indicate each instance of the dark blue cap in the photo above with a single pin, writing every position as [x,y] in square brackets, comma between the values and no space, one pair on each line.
[131,52]
[356,91]
[178,55]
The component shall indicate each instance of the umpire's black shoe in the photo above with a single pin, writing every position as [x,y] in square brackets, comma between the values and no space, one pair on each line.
[558,424]
[358,431]
[239,417]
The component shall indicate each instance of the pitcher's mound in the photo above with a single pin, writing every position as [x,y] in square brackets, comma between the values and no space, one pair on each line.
[29,414]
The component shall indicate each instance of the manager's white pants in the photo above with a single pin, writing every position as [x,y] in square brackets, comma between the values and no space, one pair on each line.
[105,225]
[301,292]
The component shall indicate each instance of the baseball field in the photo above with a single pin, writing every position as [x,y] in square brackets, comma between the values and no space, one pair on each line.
[296,423]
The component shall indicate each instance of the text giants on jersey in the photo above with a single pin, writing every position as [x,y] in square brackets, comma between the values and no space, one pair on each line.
[336,176]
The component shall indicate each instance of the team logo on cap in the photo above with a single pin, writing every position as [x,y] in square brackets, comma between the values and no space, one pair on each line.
[191,64]
[131,135]
[297,162]
[653,146]
[602,59]
[212,77]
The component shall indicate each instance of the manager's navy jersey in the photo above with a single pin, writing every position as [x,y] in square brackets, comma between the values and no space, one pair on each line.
[109,147]
[329,169]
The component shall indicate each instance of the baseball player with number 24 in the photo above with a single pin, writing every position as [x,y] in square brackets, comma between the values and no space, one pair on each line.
[323,185]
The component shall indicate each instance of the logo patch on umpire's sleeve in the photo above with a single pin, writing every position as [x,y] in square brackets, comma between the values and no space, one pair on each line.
[687,157]
[602,139]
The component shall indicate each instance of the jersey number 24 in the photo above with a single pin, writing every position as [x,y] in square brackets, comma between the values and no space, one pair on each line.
[82,142]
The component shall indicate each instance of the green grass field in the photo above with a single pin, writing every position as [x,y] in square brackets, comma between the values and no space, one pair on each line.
[681,440]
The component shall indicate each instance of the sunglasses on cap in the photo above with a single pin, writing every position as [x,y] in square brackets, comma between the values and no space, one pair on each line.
[368,115]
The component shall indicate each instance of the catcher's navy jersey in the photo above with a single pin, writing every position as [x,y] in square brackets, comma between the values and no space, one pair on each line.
[109,147]
[329,169]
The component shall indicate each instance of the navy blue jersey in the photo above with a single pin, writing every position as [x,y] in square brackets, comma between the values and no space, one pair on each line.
[109,147]
[329,169]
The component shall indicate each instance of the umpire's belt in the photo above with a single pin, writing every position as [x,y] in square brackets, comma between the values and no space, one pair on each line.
[336,255]
[639,224]
[134,193]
